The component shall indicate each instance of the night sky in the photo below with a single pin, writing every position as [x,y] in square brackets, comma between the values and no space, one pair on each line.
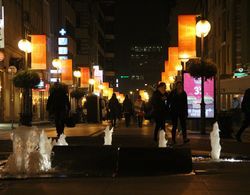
[139,21]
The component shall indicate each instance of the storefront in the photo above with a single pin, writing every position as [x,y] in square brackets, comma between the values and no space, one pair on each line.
[39,101]
[230,88]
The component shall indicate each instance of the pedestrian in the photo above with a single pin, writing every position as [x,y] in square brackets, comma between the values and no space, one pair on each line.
[235,103]
[127,108]
[58,105]
[245,107]
[177,104]
[139,110]
[114,109]
[159,108]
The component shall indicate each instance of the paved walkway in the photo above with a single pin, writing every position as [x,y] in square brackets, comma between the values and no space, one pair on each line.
[208,178]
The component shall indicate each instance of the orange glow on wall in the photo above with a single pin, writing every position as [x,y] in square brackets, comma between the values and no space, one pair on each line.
[38,54]
[173,58]
[67,77]
[163,77]
[105,85]
[85,76]
[187,36]
[110,92]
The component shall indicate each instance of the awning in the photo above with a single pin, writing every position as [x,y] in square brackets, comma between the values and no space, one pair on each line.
[235,85]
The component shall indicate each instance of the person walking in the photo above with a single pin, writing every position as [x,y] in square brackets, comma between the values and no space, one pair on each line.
[245,107]
[127,108]
[159,108]
[177,104]
[58,105]
[139,110]
[114,108]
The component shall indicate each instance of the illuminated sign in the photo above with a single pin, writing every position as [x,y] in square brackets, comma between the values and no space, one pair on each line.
[63,57]
[192,87]
[52,71]
[40,85]
[62,32]
[62,50]
[2,28]
[62,41]
[62,45]
[53,80]
[124,77]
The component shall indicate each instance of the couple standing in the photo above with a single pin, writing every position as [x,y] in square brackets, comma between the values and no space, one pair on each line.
[175,104]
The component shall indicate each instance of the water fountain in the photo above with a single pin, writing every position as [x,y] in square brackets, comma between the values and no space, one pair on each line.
[31,152]
[108,135]
[215,142]
[61,141]
[162,139]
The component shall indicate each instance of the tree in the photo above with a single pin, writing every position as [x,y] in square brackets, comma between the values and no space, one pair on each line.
[26,79]
[205,68]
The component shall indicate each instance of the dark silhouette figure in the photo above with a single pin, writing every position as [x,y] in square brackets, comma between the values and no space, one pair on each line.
[177,103]
[139,110]
[59,106]
[159,108]
[245,107]
[114,109]
[127,108]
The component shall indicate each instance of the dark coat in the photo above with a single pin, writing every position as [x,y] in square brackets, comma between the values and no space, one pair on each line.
[158,102]
[177,103]
[245,104]
[127,106]
[114,106]
[58,102]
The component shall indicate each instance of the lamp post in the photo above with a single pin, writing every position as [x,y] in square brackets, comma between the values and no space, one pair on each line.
[77,74]
[91,85]
[12,70]
[26,114]
[202,29]
[58,65]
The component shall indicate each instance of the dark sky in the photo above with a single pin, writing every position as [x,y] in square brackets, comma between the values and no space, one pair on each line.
[139,21]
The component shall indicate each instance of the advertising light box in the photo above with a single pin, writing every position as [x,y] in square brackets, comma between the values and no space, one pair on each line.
[192,87]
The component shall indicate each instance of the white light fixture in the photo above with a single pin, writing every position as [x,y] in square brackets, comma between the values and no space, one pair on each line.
[25,45]
[77,73]
[57,63]
[91,81]
[202,28]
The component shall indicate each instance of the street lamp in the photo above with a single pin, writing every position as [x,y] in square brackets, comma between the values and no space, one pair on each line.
[91,83]
[58,65]
[12,70]
[26,46]
[202,29]
[77,74]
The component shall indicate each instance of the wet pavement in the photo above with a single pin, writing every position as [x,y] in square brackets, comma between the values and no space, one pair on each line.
[208,177]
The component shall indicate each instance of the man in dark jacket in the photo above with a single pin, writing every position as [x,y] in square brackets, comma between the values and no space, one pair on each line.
[114,109]
[127,108]
[177,103]
[245,107]
[59,106]
[158,102]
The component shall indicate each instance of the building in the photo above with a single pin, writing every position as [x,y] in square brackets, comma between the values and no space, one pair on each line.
[146,62]
[19,20]
[108,7]
[90,37]
[227,45]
